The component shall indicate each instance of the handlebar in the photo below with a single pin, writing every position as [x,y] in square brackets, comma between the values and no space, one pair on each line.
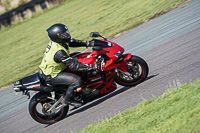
[99,43]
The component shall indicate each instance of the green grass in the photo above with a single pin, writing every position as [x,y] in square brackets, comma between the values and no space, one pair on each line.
[23,45]
[176,111]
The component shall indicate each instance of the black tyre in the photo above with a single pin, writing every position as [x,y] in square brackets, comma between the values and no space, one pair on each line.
[137,72]
[39,103]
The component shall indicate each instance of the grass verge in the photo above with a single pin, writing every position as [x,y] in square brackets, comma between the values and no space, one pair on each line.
[23,45]
[176,111]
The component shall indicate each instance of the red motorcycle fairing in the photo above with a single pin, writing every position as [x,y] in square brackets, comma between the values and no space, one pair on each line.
[85,58]
[89,57]
[125,57]
[104,83]
[110,51]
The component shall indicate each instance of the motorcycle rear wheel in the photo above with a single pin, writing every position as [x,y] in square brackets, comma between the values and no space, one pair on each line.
[39,103]
[137,72]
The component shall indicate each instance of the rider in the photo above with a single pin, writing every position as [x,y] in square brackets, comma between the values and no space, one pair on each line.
[57,58]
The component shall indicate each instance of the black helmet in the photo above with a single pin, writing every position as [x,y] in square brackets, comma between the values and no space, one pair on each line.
[59,33]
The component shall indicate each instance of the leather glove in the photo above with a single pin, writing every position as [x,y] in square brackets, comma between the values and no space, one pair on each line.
[89,43]
[93,67]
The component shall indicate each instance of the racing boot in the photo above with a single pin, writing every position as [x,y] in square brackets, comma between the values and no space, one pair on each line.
[69,98]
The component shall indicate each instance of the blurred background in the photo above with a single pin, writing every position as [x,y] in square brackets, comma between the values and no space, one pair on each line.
[23,23]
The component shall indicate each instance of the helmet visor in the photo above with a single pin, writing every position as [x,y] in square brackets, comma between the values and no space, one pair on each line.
[64,35]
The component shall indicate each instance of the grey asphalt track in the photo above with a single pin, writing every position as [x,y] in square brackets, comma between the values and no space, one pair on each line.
[171,46]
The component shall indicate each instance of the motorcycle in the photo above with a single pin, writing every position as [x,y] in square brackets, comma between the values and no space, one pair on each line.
[47,106]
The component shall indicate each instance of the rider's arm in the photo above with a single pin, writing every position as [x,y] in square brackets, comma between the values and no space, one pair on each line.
[62,57]
[78,43]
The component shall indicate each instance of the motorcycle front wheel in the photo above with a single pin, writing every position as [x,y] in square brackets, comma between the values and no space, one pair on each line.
[38,106]
[137,72]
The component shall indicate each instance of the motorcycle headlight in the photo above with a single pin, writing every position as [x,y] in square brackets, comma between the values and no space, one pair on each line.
[119,53]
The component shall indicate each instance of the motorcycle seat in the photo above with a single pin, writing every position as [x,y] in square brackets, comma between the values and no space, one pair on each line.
[28,81]
[48,87]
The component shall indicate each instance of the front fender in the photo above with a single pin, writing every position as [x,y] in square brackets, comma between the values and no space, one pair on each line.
[125,57]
